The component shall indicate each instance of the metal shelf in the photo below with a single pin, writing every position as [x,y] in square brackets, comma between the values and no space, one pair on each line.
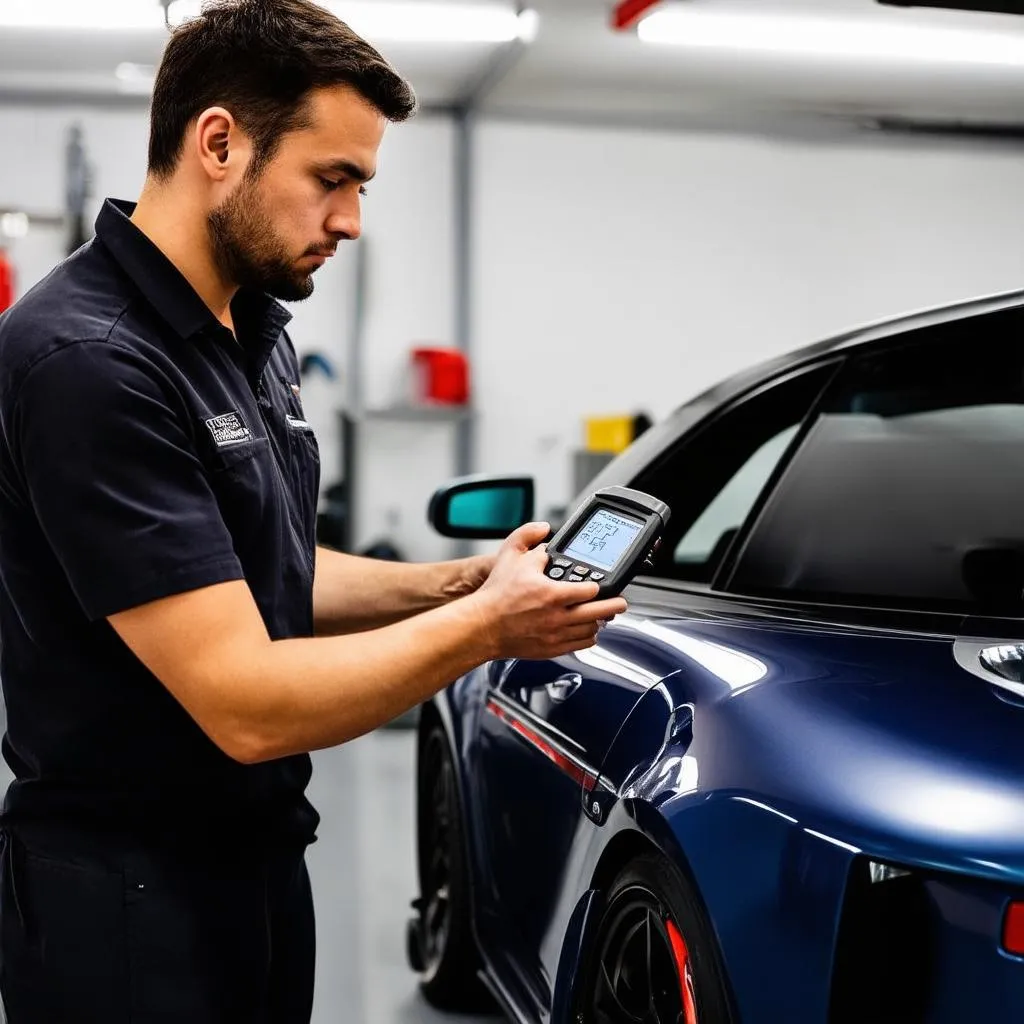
[418,414]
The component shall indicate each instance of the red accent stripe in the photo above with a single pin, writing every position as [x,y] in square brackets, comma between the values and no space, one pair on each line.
[585,779]
[629,12]
[682,958]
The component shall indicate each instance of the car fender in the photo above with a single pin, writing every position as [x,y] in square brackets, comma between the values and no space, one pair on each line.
[773,890]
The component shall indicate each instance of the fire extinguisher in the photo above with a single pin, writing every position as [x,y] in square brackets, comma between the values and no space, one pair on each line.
[6,281]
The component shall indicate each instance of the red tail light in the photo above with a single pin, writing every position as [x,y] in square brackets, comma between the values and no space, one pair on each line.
[1013,929]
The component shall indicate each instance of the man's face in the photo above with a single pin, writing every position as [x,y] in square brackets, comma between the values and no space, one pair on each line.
[273,232]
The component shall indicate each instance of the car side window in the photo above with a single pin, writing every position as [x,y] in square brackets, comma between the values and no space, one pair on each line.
[719,522]
[713,477]
[908,490]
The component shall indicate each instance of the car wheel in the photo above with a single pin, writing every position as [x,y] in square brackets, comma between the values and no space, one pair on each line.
[654,958]
[440,942]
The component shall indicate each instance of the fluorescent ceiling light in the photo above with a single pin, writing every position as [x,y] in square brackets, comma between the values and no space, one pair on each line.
[399,21]
[428,22]
[129,15]
[785,34]
[529,25]
[395,21]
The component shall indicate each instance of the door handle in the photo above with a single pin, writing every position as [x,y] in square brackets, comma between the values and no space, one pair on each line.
[564,687]
[1001,664]
[1005,661]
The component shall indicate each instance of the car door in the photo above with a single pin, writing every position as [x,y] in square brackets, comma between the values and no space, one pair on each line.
[545,730]
[549,724]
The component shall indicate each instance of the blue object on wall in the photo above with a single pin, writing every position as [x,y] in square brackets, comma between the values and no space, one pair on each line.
[317,361]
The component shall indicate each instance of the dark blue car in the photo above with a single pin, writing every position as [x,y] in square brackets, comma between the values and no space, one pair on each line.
[787,787]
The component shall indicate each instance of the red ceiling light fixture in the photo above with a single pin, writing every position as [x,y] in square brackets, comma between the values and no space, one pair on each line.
[629,12]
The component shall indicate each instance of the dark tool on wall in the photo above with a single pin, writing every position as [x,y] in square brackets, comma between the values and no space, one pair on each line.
[609,539]
[77,188]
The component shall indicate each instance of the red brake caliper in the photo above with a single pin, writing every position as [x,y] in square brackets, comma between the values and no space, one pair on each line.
[682,958]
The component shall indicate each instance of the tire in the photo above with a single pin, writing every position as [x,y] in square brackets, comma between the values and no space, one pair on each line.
[442,948]
[653,956]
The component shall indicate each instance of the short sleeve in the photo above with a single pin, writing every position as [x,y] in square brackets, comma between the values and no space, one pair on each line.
[105,451]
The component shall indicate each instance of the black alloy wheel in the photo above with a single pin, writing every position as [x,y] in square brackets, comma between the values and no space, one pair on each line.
[653,959]
[441,944]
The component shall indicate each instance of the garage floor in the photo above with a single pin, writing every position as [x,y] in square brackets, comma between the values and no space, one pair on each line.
[363,872]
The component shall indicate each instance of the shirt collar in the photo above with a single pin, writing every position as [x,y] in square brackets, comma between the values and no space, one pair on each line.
[259,317]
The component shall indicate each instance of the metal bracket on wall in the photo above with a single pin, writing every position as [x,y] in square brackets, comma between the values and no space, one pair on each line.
[465,113]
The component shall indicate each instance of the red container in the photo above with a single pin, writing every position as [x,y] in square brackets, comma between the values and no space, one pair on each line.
[442,375]
[6,282]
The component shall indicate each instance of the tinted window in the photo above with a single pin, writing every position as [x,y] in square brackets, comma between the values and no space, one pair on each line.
[909,490]
[713,478]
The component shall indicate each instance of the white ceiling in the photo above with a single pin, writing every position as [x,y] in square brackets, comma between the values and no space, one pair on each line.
[60,63]
[578,67]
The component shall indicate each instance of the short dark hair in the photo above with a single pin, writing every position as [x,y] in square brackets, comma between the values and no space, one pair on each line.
[260,59]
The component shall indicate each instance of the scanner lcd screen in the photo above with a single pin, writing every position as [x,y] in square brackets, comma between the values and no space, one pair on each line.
[604,538]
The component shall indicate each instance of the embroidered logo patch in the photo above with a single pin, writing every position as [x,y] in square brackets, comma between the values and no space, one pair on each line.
[297,424]
[228,429]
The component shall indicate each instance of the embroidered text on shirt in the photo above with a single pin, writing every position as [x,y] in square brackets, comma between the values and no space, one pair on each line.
[228,429]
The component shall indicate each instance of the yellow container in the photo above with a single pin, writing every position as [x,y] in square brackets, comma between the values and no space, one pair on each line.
[609,433]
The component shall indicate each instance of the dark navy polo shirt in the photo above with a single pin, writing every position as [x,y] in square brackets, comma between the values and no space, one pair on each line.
[145,452]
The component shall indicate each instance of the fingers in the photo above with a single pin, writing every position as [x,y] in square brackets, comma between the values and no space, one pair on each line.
[528,536]
[567,594]
[595,610]
[587,632]
[572,647]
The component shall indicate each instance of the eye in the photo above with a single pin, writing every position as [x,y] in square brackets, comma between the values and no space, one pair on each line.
[327,185]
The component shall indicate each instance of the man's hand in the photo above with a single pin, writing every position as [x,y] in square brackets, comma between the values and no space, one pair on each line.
[527,615]
[470,574]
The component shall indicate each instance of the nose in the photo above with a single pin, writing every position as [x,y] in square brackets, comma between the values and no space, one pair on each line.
[345,221]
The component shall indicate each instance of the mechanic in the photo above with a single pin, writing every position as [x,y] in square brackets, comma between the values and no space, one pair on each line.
[173,641]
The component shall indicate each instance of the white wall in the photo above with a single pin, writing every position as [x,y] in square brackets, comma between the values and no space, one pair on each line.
[619,270]
[614,270]
[409,235]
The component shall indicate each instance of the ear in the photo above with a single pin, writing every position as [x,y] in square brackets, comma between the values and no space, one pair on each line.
[221,146]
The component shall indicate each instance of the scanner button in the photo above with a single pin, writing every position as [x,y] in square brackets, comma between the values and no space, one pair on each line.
[556,573]
[562,563]
[581,569]
[597,576]
[575,578]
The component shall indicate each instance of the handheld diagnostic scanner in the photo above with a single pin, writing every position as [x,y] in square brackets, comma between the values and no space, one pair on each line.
[608,539]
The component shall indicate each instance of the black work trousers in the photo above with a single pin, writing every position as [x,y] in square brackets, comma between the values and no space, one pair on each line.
[98,932]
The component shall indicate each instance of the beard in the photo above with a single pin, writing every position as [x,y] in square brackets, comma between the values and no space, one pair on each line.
[248,253]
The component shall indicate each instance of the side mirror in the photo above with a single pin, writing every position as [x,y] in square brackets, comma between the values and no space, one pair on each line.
[482,507]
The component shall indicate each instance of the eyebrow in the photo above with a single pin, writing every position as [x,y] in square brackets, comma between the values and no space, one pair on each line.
[349,169]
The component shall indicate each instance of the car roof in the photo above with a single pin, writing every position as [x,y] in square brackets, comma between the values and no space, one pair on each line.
[652,444]
[857,337]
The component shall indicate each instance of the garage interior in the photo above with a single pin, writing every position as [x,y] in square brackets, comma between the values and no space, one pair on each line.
[599,211]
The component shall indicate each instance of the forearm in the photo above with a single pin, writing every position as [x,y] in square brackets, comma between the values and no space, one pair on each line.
[352,594]
[307,694]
